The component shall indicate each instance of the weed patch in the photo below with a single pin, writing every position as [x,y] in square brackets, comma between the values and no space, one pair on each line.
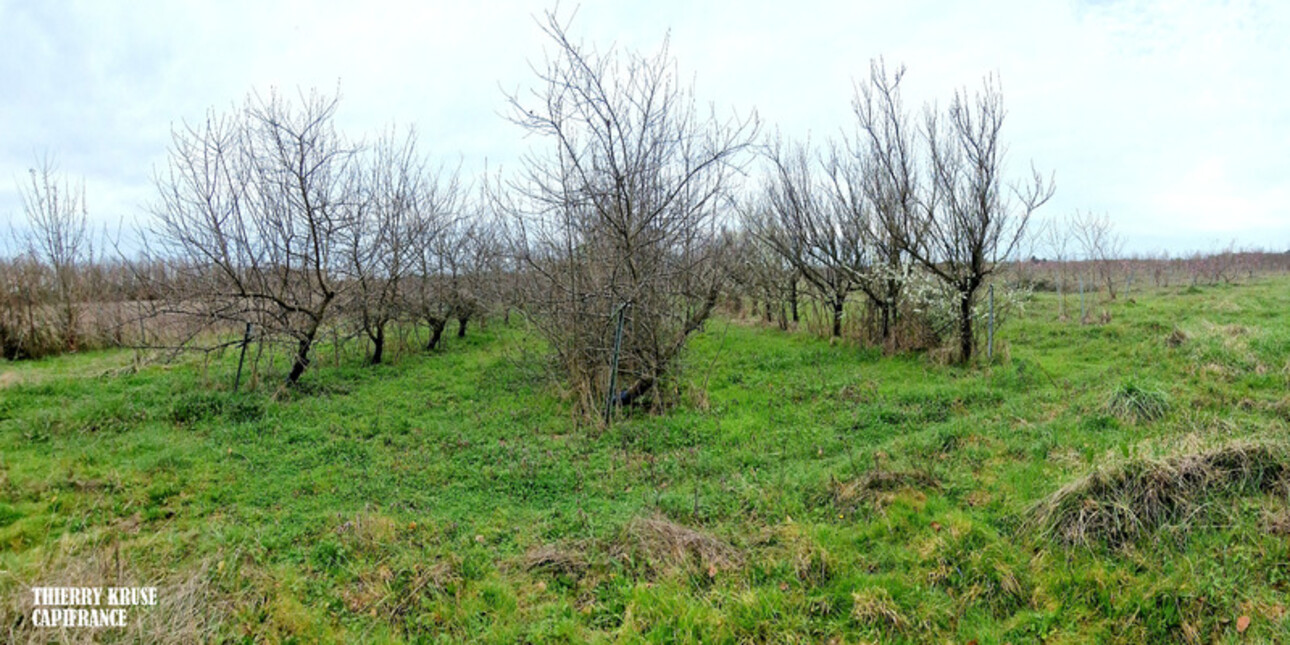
[201,406]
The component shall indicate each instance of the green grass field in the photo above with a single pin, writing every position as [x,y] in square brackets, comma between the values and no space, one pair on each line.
[804,491]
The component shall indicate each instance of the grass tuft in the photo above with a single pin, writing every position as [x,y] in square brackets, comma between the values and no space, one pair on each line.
[874,607]
[1134,401]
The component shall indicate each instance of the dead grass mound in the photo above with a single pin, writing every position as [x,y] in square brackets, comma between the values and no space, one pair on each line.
[391,592]
[663,546]
[1121,503]
[877,484]
[556,559]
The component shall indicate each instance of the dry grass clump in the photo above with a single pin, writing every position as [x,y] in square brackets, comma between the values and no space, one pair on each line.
[556,559]
[662,546]
[188,608]
[874,607]
[1133,401]
[876,484]
[1278,522]
[1176,338]
[1118,504]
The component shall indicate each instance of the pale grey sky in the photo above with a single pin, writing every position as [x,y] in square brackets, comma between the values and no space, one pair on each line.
[1171,116]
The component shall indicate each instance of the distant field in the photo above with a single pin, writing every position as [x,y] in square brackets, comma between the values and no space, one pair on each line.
[805,491]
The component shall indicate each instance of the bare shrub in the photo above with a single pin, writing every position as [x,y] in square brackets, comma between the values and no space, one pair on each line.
[759,273]
[814,230]
[619,217]
[380,249]
[26,328]
[58,238]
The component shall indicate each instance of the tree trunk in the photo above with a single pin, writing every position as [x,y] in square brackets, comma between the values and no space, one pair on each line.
[436,331]
[378,345]
[886,322]
[637,389]
[301,361]
[965,326]
[837,317]
[792,298]
[461,326]
[890,310]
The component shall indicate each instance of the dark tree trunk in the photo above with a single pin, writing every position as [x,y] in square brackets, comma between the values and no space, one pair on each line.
[792,298]
[301,361]
[965,326]
[837,317]
[638,389]
[886,322]
[378,345]
[889,309]
[436,331]
[461,326]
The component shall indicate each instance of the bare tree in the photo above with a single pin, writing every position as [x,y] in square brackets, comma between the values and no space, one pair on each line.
[1101,245]
[475,249]
[1055,237]
[819,232]
[57,236]
[761,273]
[256,203]
[431,295]
[379,245]
[618,218]
[880,173]
[493,277]
[970,220]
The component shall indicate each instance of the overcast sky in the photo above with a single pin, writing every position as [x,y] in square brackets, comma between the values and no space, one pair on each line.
[1173,117]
